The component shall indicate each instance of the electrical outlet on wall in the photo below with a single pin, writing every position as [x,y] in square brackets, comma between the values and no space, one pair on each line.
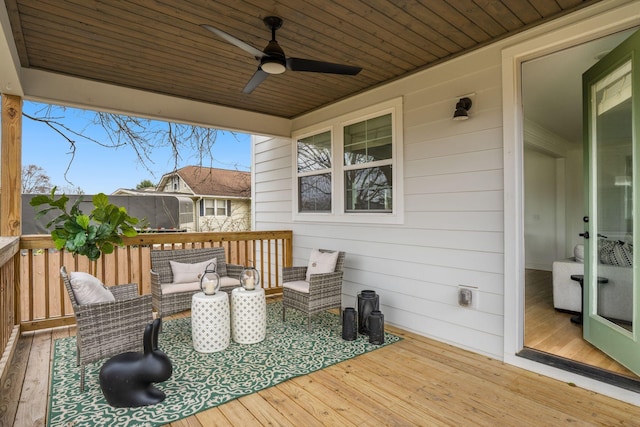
[468,296]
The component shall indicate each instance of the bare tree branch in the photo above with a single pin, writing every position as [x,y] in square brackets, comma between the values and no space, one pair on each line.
[35,180]
[143,136]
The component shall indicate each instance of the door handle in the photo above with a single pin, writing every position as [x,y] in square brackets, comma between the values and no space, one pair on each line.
[585,234]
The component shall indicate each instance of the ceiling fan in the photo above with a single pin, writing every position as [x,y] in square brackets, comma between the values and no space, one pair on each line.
[273,60]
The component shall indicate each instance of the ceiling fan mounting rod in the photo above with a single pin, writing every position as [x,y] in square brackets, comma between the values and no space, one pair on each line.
[273,23]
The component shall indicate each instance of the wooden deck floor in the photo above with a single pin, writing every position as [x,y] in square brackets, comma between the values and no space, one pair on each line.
[416,382]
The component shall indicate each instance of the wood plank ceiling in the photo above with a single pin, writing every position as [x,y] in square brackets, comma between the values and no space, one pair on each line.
[159,45]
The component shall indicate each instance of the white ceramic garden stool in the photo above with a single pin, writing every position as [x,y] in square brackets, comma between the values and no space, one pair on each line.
[210,322]
[248,315]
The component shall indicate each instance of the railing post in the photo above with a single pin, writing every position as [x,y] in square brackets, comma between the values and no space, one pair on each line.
[288,256]
[11,180]
[10,173]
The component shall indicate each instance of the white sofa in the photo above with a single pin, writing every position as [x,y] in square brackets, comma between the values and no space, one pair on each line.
[615,298]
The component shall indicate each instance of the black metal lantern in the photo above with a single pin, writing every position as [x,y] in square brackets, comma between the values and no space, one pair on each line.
[349,324]
[376,327]
[209,280]
[368,301]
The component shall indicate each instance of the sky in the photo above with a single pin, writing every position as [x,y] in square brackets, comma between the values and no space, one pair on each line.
[97,169]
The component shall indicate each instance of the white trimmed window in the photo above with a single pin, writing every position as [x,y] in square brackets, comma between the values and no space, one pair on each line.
[349,169]
[368,165]
[215,207]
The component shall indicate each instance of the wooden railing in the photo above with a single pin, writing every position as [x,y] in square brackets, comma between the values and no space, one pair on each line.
[8,321]
[43,302]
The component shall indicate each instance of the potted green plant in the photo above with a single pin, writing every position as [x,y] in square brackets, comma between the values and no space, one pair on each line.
[90,235]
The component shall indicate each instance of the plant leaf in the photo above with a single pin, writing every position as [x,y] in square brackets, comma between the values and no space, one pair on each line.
[79,239]
[93,253]
[100,200]
[107,248]
[83,221]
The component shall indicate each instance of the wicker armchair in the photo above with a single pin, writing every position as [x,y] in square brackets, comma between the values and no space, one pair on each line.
[161,276]
[109,328]
[325,290]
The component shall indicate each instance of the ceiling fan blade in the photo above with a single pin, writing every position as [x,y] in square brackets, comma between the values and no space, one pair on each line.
[257,78]
[234,41]
[298,64]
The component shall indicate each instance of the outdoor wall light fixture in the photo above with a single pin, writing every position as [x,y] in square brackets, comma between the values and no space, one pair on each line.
[462,108]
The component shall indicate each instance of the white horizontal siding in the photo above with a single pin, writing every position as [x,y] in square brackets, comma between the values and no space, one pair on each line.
[486,160]
[472,221]
[453,228]
[272,183]
[425,146]
[454,182]
[455,202]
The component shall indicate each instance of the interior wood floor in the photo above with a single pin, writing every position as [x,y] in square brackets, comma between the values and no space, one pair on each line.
[416,382]
[551,331]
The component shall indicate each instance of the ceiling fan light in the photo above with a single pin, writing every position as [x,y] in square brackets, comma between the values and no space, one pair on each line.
[272,66]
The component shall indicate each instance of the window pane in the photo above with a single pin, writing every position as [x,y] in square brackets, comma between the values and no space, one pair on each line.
[209,207]
[314,152]
[314,193]
[369,190]
[368,141]
[221,207]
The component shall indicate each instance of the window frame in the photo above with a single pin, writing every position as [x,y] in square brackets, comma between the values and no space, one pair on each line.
[215,207]
[338,212]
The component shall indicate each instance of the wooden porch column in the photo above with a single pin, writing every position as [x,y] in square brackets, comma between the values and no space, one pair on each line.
[11,167]
[10,223]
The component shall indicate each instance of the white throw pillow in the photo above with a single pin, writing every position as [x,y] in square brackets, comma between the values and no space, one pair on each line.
[88,289]
[321,262]
[186,273]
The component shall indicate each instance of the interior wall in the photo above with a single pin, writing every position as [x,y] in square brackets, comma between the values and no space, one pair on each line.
[575,199]
[540,207]
[553,205]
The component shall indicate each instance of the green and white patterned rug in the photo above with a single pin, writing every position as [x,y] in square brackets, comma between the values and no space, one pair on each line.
[202,381]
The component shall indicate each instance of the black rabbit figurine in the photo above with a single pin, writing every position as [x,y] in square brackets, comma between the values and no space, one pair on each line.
[127,379]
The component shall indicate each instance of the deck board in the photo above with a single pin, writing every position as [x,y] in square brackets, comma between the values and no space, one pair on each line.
[12,386]
[369,408]
[315,409]
[401,400]
[236,413]
[33,408]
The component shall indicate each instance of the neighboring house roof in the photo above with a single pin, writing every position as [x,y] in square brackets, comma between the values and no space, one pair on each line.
[206,181]
[141,192]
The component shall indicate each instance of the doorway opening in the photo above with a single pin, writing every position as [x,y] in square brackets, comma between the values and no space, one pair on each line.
[554,210]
